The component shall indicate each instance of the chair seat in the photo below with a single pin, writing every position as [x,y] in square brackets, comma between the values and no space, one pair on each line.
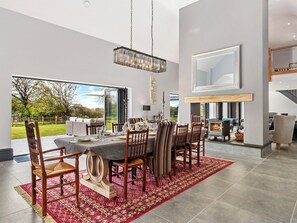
[131,163]
[55,169]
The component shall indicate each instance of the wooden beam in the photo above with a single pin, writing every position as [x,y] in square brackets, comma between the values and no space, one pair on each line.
[220,98]
[284,47]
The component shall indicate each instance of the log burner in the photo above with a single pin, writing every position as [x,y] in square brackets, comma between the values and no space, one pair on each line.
[219,128]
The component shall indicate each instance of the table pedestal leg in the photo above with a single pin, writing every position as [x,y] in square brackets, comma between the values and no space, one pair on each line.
[96,179]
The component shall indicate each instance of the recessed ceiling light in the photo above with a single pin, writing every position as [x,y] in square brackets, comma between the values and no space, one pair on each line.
[87,3]
[289,23]
[294,37]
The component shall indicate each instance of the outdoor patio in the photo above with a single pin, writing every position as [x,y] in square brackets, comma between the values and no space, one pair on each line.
[20,146]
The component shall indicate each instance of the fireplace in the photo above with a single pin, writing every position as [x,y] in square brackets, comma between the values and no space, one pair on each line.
[219,128]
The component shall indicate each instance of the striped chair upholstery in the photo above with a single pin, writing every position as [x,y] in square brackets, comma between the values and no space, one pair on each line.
[160,161]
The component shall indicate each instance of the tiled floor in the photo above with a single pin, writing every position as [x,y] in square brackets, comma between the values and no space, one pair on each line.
[250,190]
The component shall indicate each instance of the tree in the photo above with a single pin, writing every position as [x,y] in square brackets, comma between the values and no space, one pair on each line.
[24,91]
[57,98]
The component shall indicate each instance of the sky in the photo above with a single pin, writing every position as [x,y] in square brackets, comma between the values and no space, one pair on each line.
[96,101]
[86,100]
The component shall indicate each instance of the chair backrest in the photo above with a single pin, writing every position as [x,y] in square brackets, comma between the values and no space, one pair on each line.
[284,127]
[136,144]
[181,134]
[117,127]
[198,118]
[162,148]
[134,120]
[195,132]
[93,128]
[34,144]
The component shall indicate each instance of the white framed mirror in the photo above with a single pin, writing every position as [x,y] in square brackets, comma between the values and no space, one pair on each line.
[216,70]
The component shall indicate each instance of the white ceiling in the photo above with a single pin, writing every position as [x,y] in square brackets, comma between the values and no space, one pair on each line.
[282,23]
[110,20]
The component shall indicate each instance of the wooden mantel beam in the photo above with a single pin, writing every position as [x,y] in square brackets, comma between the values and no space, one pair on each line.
[220,98]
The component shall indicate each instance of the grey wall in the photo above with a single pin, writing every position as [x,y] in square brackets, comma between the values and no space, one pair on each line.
[209,25]
[34,48]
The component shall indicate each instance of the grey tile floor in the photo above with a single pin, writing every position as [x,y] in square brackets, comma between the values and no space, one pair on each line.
[250,190]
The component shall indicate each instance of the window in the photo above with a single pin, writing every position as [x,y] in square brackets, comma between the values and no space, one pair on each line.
[174,103]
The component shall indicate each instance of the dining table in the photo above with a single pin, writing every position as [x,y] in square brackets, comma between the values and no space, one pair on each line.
[99,152]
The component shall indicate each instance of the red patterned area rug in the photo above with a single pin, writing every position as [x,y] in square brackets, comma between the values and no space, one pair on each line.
[96,208]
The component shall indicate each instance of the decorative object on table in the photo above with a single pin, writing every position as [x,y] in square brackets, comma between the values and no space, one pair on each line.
[97,208]
[132,58]
[52,170]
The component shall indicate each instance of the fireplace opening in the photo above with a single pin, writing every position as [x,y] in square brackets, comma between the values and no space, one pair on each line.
[219,128]
[215,127]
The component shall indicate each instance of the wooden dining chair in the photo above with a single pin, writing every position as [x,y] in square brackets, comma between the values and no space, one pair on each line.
[117,127]
[54,169]
[199,118]
[180,145]
[135,156]
[195,143]
[93,128]
[160,161]
[134,120]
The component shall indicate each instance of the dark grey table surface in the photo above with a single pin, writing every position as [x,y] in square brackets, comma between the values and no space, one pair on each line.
[111,148]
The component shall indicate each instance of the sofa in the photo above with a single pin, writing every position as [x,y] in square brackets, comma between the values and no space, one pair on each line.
[78,126]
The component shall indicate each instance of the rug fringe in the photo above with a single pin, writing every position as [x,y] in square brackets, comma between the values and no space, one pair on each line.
[37,208]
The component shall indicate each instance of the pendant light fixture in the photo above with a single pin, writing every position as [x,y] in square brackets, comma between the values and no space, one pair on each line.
[132,58]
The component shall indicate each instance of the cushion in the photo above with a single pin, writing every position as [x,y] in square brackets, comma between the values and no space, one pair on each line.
[73,119]
[79,119]
[100,120]
[88,120]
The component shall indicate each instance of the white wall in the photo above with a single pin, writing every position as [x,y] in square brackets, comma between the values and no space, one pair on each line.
[209,25]
[30,47]
[281,104]
[110,20]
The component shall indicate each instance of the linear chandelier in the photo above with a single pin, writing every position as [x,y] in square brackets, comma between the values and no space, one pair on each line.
[132,58]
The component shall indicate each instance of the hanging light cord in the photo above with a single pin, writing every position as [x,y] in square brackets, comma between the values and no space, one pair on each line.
[152,28]
[131,28]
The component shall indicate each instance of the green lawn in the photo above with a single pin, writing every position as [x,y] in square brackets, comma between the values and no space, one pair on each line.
[19,132]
